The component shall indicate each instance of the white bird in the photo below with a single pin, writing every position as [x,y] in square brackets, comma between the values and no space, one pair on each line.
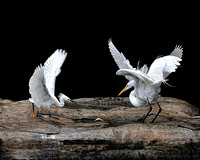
[146,82]
[42,82]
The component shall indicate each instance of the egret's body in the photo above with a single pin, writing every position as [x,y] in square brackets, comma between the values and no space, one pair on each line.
[138,97]
[147,82]
[42,82]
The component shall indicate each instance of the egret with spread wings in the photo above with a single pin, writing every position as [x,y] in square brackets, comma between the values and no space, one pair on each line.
[42,82]
[146,82]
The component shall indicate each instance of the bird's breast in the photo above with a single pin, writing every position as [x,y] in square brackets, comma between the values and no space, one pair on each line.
[137,102]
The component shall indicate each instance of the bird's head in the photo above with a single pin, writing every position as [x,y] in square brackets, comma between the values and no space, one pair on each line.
[64,98]
[129,85]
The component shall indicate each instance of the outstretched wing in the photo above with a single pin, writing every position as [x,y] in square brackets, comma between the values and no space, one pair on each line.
[37,88]
[163,66]
[119,58]
[52,69]
[135,74]
[177,52]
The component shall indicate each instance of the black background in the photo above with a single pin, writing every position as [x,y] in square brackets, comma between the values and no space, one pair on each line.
[30,33]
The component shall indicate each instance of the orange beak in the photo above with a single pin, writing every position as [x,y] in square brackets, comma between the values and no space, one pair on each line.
[122,90]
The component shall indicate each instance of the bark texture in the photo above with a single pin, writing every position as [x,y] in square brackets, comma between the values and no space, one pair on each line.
[175,133]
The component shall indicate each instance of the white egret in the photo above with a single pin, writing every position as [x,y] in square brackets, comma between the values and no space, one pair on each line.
[146,82]
[42,82]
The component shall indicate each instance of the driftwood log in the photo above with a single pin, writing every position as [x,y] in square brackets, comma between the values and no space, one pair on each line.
[175,133]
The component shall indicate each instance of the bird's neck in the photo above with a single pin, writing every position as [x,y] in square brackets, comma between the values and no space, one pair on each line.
[62,103]
[59,103]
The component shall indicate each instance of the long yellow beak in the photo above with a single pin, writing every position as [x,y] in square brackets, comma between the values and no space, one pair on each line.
[122,90]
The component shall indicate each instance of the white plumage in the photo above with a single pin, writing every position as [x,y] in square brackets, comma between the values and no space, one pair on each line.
[42,82]
[119,58]
[146,82]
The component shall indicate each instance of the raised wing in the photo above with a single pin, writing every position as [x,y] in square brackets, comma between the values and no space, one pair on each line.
[135,74]
[37,88]
[120,59]
[163,66]
[52,69]
[177,52]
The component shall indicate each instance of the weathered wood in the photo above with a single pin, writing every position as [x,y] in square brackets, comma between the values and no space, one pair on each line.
[175,133]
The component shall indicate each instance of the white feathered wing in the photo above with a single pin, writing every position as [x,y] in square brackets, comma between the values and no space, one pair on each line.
[162,67]
[159,69]
[39,93]
[120,59]
[52,69]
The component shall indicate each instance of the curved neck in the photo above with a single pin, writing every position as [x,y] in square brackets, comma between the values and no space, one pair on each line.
[59,104]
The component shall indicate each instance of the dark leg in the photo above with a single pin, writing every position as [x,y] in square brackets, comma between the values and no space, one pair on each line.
[148,112]
[160,109]
[37,115]
[49,113]
[33,112]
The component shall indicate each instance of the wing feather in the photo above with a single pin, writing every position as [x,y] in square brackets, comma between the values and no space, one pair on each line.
[37,89]
[119,58]
[163,66]
[52,69]
[178,51]
[135,74]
